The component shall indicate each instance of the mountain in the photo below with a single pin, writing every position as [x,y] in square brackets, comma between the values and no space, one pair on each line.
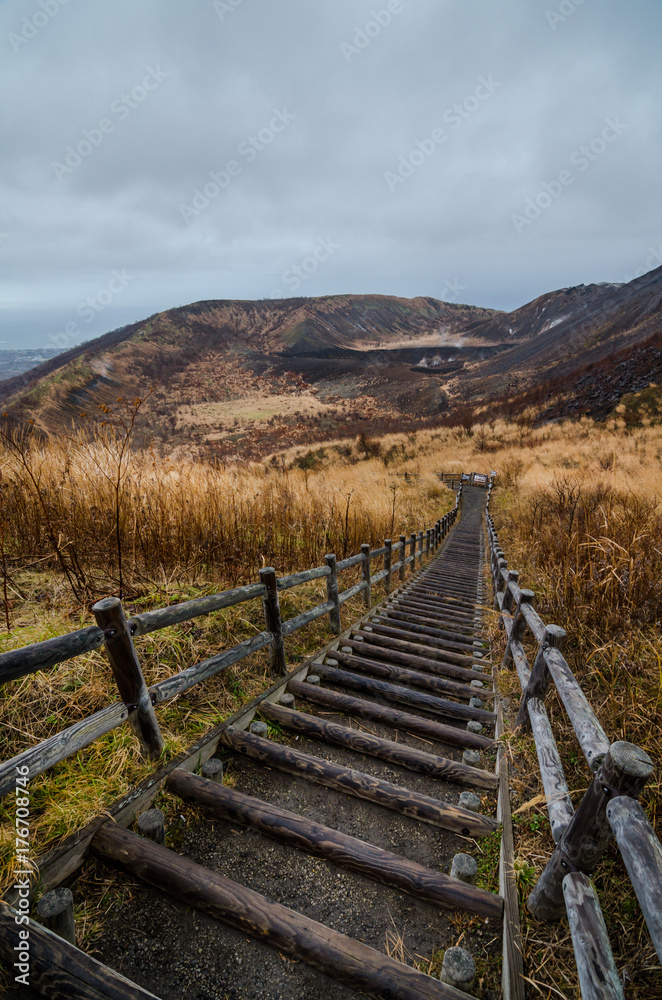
[220,369]
[242,377]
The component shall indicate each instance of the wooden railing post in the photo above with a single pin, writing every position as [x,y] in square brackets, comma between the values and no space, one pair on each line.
[388,562]
[498,584]
[273,619]
[365,575]
[412,551]
[403,553]
[624,771]
[427,542]
[513,577]
[110,618]
[540,678]
[332,593]
[518,626]
[420,549]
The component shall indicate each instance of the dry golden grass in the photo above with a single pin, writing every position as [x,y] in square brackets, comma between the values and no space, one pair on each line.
[577,510]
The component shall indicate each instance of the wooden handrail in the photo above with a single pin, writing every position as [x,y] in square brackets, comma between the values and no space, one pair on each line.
[138,710]
[610,803]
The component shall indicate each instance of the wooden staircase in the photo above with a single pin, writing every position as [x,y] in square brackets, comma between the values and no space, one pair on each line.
[377,757]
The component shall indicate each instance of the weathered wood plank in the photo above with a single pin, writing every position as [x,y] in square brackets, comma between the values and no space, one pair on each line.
[508,885]
[50,652]
[350,561]
[364,786]
[625,770]
[429,682]
[598,975]
[406,696]
[559,803]
[58,969]
[416,724]
[352,591]
[304,576]
[292,624]
[592,737]
[128,674]
[273,619]
[642,854]
[60,746]
[323,842]
[386,650]
[166,689]
[150,621]
[375,746]
[290,932]
[388,637]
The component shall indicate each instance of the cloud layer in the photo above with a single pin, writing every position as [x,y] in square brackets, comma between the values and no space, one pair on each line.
[474,152]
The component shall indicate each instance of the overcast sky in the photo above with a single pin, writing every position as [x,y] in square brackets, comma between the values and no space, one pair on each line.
[158,152]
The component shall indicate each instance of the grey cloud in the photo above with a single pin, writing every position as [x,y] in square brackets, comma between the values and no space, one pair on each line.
[358,115]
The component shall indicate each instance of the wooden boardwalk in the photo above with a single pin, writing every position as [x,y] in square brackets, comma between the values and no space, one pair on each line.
[350,789]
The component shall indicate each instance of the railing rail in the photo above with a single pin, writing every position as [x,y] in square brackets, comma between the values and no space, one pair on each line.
[620,772]
[116,632]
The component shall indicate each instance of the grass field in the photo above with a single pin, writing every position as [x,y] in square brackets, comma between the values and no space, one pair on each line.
[577,508]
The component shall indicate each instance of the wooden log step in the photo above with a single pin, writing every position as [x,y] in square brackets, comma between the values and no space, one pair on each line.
[429,682]
[425,626]
[459,604]
[463,616]
[424,658]
[462,644]
[323,842]
[420,645]
[405,696]
[461,589]
[375,746]
[416,724]
[454,630]
[376,651]
[56,968]
[463,620]
[335,954]
[363,786]
[442,621]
